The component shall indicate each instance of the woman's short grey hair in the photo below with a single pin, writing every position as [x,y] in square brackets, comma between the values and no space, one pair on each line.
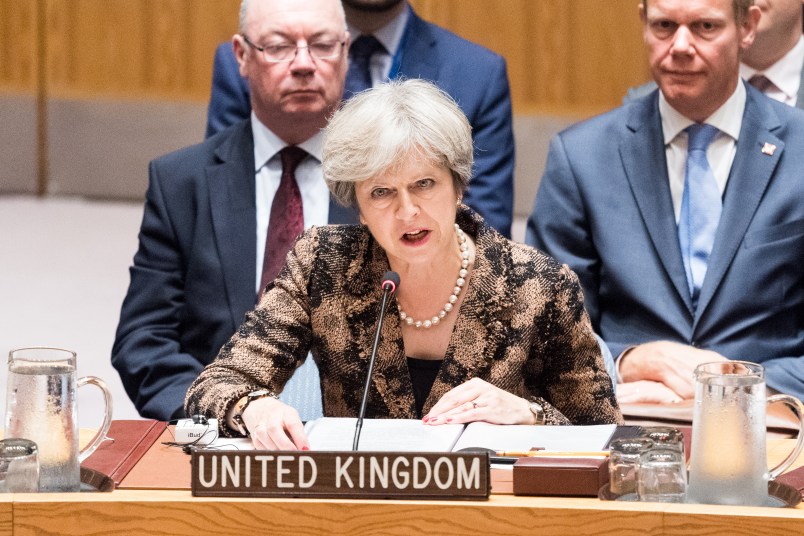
[376,129]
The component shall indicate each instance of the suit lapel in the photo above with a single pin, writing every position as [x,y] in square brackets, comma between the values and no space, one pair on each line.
[418,60]
[800,98]
[749,176]
[481,327]
[391,378]
[234,218]
[391,374]
[643,157]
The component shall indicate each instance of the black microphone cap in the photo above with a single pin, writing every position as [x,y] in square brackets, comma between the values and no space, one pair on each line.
[390,278]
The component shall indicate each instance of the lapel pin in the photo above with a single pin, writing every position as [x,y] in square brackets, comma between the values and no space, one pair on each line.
[768,149]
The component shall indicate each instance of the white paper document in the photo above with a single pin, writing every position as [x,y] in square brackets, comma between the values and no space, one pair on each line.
[524,438]
[412,435]
[385,435]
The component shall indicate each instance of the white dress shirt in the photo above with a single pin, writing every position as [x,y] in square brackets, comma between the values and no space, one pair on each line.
[785,74]
[268,173]
[720,154]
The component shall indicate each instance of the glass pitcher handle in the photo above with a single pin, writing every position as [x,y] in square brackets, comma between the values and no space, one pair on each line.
[798,408]
[107,419]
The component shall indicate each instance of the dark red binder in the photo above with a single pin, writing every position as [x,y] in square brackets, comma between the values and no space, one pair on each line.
[794,478]
[132,439]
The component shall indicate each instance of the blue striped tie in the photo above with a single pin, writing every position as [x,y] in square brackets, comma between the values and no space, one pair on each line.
[701,205]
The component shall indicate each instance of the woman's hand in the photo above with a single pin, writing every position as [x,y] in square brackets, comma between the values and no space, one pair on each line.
[478,400]
[274,425]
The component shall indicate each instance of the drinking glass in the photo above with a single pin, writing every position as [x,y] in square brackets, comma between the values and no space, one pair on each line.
[662,475]
[19,466]
[666,437]
[624,456]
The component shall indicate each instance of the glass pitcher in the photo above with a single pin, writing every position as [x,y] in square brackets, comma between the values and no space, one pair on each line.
[41,406]
[728,463]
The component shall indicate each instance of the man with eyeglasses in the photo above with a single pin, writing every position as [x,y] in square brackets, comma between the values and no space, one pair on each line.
[220,216]
[395,42]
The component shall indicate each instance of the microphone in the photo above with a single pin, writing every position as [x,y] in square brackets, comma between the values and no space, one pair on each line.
[390,282]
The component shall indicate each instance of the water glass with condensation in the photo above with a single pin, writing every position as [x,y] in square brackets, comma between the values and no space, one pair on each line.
[662,475]
[19,466]
[624,455]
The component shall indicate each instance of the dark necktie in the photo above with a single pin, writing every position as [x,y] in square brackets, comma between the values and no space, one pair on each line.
[701,206]
[761,82]
[358,78]
[287,216]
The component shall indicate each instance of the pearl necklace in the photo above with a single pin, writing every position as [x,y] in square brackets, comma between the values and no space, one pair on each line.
[459,283]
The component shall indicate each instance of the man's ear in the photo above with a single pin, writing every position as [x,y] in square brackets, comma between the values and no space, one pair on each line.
[239,45]
[748,27]
[643,16]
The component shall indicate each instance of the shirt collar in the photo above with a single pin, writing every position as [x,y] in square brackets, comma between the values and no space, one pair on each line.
[785,73]
[728,118]
[267,144]
[389,35]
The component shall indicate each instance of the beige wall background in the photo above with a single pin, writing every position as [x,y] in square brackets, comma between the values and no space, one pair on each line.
[91,90]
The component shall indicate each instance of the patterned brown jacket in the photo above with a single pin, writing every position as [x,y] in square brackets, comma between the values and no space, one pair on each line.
[522,327]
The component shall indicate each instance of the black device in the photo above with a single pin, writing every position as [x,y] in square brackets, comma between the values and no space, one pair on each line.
[200,419]
[390,282]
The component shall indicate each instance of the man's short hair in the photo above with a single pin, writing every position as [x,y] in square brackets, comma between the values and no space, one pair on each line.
[243,15]
[740,8]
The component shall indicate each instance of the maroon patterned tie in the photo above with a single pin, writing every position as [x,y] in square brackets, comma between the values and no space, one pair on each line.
[287,216]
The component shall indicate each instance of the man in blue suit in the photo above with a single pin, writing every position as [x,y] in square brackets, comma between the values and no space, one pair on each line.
[203,237]
[413,48]
[616,193]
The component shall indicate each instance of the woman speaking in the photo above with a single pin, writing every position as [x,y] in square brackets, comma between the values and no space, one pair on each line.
[480,328]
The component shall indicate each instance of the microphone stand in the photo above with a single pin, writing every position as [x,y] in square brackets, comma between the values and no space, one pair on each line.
[389,285]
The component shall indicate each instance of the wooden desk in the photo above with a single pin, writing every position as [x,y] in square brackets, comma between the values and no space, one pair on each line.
[177,512]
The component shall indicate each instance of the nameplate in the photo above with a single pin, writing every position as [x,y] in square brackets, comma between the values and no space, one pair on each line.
[363,475]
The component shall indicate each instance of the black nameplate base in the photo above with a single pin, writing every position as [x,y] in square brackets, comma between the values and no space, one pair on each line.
[361,475]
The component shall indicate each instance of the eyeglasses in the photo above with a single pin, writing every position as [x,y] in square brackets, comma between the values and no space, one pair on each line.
[285,52]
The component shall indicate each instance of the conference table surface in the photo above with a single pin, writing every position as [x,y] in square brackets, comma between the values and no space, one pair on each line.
[177,512]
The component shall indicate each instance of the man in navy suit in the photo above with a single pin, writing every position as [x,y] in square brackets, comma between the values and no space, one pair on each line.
[612,199]
[413,48]
[201,245]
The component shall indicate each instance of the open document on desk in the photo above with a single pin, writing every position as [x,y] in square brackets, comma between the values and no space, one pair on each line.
[332,433]
[412,435]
